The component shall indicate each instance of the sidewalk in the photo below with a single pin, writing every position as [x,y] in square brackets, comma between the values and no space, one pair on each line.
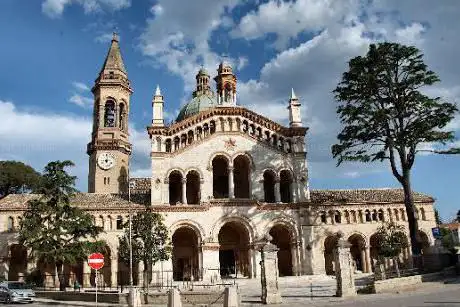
[74,303]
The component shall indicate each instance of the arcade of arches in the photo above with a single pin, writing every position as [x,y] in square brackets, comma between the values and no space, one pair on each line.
[365,255]
[230,180]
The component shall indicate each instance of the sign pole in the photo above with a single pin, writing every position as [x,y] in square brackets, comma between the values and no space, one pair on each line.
[96,286]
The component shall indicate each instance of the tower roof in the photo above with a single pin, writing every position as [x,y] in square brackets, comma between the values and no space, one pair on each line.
[158,91]
[293,96]
[114,59]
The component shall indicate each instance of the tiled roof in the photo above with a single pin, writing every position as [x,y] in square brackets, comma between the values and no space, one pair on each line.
[83,200]
[365,195]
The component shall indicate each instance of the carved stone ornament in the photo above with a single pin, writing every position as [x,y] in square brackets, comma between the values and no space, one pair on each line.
[230,144]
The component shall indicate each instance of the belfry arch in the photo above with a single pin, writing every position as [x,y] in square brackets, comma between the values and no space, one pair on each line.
[241,176]
[330,244]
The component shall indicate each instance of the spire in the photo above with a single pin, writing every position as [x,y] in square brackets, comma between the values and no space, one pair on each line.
[114,61]
[158,91]
[293,96]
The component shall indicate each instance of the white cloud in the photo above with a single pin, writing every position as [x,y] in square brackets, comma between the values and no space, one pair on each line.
[55,8]
[37,138]
[177,38]
[242,62]
[80,86]
[104,37]
[410,35]
[81,101]
[288,19]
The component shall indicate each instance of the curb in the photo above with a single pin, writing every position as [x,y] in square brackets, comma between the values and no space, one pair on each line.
[75,303]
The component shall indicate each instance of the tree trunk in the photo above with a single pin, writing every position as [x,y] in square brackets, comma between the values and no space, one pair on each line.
[410,210]
[395,261]
[60,276]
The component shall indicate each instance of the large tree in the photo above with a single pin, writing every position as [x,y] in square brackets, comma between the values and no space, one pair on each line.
[150,241]
[17,177]
[55,230]
[387,117]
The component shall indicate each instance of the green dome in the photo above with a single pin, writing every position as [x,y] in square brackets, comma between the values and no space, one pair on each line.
[198,104]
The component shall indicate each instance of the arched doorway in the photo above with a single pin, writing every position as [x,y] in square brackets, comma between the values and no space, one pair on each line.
[17,262]
[285,186]
[234,250]
[282,238]
[175,187]
[185,254]
[269,186]
[330,243]
[220,177]
[357,248]
[241,173]
[193,187]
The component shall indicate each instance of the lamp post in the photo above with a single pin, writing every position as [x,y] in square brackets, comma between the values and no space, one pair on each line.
[131,185]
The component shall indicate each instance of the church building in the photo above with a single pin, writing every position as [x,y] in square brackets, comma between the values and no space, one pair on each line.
[224,177]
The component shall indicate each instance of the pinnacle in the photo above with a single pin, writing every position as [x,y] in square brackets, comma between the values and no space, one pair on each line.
[114,60]
[293,96]
[158,91]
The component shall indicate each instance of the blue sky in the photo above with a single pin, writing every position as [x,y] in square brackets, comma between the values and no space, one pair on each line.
[52,50]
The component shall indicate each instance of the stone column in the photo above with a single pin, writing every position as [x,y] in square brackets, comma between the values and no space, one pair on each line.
[140,274]
[269,273]
[344,269]
[211,263]
[184,191]
[277,191]
[363,260]
[114,272]
[368,260]
[231,184]
[86,275]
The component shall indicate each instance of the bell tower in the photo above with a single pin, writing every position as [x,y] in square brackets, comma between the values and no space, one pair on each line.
[226,85]
[109,149]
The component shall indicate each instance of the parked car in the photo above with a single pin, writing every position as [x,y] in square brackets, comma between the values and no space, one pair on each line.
[16,292]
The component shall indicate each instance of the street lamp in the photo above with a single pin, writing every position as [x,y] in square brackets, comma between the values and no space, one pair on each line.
[131,185]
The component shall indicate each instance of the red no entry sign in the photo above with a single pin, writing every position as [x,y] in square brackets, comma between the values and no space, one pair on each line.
[96,261]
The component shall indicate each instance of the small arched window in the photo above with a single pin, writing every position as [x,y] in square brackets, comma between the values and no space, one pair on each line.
[119,222]
[381,216]
[337,217]
[323,217]
[10,225]
[422,214]
[368,216]
[121,117]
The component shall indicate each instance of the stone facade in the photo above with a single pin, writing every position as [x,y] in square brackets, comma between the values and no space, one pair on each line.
[223,177]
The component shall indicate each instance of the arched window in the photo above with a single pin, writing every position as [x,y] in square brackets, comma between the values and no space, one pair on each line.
[374,215]
[119,222]
[183,140]
[368,216]
[190,137]
[422,214]
[286,186]
[109,114]
[245,126]
[274,140]
[101,221]
[323,217]
[206,130]
[396,211]
[220,177]
[10,225]
[212,127]
[337,217]
[193,187]
[267,136]
[121,117]
[176,143]
[175,187]
[228,93]
[110,223]
[168,145]
[380,215]
[199,133]
[403,215]
[269,186]
[241,176]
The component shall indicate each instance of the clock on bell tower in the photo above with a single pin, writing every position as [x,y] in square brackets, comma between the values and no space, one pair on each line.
[109,149]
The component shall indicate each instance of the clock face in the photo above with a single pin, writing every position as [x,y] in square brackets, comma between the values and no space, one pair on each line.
[106,160]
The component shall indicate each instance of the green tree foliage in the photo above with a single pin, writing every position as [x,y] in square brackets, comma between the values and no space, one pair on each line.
[437,217]
[17,177]
[386,117]
[150,241]
[391,242]
[52,228]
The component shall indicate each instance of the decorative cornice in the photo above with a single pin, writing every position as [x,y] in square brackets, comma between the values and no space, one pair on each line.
[227,111]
